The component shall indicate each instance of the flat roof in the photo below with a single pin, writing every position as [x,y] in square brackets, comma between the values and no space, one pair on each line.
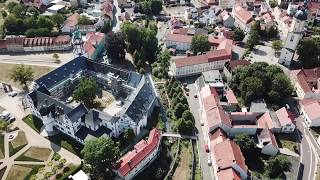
[56,7]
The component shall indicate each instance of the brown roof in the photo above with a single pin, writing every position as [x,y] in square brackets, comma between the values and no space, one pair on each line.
[15,40]
[228,153]
[305,76]
[215,41]
[228,174]
[284,116]
[217,137]
[3,44]
[223,52]
[232,65]
[267,136]
[243,15]
[92,39]
[46,41]
[265,121]
[179,38]
[72,20]
[312,108]
[231,98]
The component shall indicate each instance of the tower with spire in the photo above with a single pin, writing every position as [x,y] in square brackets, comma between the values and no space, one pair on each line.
[77,43]
[294,36]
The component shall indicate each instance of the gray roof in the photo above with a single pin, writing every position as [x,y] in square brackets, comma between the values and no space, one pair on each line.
[77,113]
[258,106]
[85,133]
[212,76]
[301,15]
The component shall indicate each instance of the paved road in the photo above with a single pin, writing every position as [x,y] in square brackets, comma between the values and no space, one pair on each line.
[309,151]
[14,106]
[116,22]
[207,171]
[36,59]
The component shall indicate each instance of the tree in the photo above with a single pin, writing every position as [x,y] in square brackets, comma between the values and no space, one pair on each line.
[238,35]
[115,46]
[107,27]
[273,3]
[22,74]
[200,43]
[187,115]
[277,45]
[58,20]
[11,5]
[19,11]
[251,89]
[86,91]
[253,39]
[3,13]
[185,126]
[11,24]
[84,20]
[45,22]
[33,12]
[128,135]
[160,173]
[277,165]
[272,32]
[156,7]
[150,44]
[309,52]
[133,36]
[246,143]
[281,88]
[178,110]
[56,57]
[99,156]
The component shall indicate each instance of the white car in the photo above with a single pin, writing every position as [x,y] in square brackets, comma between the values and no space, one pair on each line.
[12,93]
[69,100]
[209,162]
[5,114]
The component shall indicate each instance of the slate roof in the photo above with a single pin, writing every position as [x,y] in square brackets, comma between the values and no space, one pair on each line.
[77,113]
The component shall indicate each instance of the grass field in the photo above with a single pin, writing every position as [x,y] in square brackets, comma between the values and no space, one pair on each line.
[287,141]
[22,172]
[67,143]
[17,143]
[1,146]
[35,154]
[33,122]
[6,70]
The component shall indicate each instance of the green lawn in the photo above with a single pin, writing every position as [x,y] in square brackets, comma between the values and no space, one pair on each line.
[35,154]
[287,141]
[34,122]
[73,170]
[67,143]
[17,143]
[22,172]
[1,146]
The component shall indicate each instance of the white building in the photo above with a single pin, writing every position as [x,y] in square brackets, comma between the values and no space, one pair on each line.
[310,112]
[243,18]
[211,60]
[49,101]
[178,41]
[144,153]
[294,36]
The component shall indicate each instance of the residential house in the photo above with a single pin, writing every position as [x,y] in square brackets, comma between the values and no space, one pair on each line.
[143,154]
[178,41]
[283,20]
[231,99]
[307,83]
[286,120]
[230,67]
[14,43]
[94,45]
[268,143]
[70,23]
[211,60]
[40,44]
[227,154]
[227,19]
[309,108]
[243,18]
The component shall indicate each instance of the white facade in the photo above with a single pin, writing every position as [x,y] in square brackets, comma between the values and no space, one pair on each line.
[288,128]
[178,45]
[310,122]
[198,68]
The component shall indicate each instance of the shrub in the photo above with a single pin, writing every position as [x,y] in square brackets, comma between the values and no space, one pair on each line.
[56,157]
[66,169]
[58,176]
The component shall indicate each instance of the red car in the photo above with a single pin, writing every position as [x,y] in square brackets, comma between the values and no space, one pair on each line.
[206,147]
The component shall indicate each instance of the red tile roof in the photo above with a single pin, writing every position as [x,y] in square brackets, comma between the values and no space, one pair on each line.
[223,52]
[228,153]
[215,41]
[46,41]
[72,20]
[179,38]
[3,44]
[305,76]
[268,136]
[144,148]
[228,174]
[265,121]
[243,15]
[231,98]
[217,137]
[312,108]
[284,116]
[93,39]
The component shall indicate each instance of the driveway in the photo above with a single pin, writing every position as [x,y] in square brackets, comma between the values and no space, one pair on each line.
[207,171]
[14,106]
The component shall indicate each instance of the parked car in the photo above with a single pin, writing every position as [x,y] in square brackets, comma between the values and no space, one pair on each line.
[69,100]
[206,147]
[11,136]
[12,93]
[195,96]
[209,162]
[5,114]
[11,118]
[201,123]
[187,94]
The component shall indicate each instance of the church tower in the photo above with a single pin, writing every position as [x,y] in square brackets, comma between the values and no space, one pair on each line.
[294,36]
[77,43]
